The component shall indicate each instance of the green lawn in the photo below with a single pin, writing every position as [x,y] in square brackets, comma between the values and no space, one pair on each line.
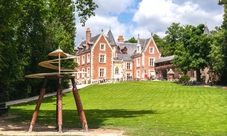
[141,108]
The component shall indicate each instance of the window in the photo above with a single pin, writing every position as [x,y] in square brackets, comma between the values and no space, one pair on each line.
[101,72]
[83,72]
[138,74]
[102,46]
[78,61]
[88,58]
[151,50]
[88,72]
[116,70]
[151,62]
[128,65]
[83,59]
[102,58]
[138,62]
[138,49]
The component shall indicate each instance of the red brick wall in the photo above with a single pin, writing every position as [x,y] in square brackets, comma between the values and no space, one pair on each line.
[147,55]
[95,55]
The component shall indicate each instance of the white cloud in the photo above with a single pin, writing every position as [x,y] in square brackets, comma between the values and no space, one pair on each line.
[150,16]
[113,6]
[105,23]
[156,15]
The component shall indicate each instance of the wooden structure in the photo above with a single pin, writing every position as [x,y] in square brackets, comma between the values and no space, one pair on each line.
[58,76]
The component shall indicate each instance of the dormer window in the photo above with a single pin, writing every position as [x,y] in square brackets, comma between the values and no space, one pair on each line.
[138,49]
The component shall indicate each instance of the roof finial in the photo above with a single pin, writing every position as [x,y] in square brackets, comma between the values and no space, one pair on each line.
[102,30]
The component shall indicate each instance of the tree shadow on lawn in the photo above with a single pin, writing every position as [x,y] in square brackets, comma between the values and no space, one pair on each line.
[95,117]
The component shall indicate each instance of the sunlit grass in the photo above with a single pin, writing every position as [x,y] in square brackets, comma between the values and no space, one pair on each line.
[140,108]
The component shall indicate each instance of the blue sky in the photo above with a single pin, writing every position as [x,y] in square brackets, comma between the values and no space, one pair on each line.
[132,17]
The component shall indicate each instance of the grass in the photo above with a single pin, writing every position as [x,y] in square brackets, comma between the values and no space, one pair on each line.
[140,108]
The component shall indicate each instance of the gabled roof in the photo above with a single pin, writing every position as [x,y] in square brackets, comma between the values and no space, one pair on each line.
[110,38]
[92,40]
[164,59]
[143,43]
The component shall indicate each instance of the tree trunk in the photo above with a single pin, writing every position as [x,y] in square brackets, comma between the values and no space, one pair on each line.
[198,75]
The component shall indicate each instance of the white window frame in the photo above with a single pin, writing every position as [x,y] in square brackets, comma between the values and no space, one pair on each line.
[149,61]
[88,58]
[83,59]
[128,66]
[88,72]
[151,51]
[78,61]
[104,61]
[116,71]
[83,72]
[104,72]
[102,45]
[137,62]
[78,75]
[138,73]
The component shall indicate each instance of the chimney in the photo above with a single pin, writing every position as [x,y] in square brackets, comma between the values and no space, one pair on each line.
[120,39]
[88,37]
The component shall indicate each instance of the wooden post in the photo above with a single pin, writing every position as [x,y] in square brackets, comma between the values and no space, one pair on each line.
[79,106]
[59,106]
[35,114]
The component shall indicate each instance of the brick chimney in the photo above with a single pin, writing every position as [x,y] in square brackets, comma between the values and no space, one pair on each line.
[88,37]
[120,39]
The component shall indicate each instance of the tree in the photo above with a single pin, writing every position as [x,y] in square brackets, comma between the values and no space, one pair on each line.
[216,56]
[12,60]
[224,41]
[193,52]
[174,33]
[29,31]
[160,44]
[131,40]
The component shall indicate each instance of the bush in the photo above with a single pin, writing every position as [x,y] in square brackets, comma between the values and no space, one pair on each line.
[184,78]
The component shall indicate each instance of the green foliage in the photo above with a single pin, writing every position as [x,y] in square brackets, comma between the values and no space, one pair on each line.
[184,78]
[29,31]
[85,9]
[174,34]
[160,44]
[192,49]
[139,108]
[131,40]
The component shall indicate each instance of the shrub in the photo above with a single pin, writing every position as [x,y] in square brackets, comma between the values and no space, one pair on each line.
[184,78]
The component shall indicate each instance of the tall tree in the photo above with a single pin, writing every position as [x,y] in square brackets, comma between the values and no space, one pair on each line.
[160,44]
[224,41]
[193,52]
[12,59]
[29,31]
[174,33]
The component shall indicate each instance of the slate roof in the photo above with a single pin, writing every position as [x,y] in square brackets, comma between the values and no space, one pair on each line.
[125,57]
[110,38]
[131,47]
[143,43]
[92,40]
[164,59]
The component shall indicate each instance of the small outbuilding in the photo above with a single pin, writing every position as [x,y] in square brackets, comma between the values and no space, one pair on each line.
[170,74]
